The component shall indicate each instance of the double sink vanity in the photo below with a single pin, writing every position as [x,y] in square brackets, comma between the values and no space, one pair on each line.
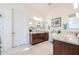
[38,37]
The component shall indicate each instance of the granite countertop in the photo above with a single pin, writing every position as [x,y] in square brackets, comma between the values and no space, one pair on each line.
[38,32]
[75,43]
[68,40]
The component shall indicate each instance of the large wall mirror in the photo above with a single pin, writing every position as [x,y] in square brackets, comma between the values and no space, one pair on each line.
[73,22]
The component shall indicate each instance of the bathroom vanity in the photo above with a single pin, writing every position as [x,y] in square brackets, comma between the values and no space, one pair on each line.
[61,47]
[38,37]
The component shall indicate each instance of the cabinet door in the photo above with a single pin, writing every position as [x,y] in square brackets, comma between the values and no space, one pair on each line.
[45,36]
[36,38]
[57,47]
[65,48]
[73,49]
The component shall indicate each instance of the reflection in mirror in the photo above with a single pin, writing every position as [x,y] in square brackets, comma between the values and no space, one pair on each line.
[73,22]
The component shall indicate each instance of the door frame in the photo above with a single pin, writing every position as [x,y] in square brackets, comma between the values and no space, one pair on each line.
[12,28]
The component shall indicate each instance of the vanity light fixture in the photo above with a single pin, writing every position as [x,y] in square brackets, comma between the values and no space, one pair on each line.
[30,23]
[37,18]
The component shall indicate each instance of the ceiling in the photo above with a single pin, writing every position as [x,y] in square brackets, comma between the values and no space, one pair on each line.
[37,7]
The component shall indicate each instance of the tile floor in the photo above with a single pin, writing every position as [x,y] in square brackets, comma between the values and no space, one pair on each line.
[44,48]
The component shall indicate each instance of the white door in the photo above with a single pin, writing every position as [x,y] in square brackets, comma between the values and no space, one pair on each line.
[20,33]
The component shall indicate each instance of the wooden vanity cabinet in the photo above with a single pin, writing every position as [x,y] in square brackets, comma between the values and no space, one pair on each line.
[36,38]
[63,48]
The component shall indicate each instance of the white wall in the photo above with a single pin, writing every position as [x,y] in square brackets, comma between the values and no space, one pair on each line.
[62,11]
